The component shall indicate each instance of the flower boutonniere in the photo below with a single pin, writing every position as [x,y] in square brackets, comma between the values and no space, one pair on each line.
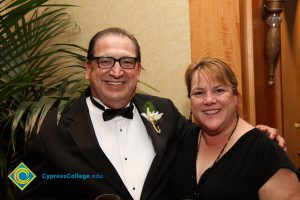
[152,115]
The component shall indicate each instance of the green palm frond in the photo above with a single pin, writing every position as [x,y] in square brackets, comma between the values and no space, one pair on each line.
[36,73]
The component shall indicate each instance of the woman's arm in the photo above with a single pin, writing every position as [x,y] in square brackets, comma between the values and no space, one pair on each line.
[284,184]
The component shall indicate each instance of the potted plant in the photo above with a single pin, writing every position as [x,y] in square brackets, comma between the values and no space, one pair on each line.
[36,74]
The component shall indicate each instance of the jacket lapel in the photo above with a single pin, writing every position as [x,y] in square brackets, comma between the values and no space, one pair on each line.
[157,139]
[159,143]
[82,132]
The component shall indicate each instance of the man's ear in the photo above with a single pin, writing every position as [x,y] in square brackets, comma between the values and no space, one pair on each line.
[139,70]
[88,68]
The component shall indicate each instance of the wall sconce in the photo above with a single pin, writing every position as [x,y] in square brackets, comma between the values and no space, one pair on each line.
[271,10]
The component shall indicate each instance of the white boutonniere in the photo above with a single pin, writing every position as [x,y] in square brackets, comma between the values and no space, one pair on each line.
[152,115]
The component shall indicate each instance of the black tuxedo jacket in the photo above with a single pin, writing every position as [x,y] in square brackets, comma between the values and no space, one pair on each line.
[72,148]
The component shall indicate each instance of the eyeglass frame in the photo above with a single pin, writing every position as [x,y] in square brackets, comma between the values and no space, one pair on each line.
[115,60]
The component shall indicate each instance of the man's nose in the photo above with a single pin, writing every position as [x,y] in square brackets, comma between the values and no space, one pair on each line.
[116,69]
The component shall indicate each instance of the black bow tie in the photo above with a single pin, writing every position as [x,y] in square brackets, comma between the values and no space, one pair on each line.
[109,114]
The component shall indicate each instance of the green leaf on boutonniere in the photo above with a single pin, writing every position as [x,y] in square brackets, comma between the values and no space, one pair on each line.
[149,105]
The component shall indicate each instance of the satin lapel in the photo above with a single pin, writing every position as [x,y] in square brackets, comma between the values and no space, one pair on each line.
[82,132]
[157,139]
[159,143]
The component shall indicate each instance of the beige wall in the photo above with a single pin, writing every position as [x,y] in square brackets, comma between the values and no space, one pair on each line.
[162,29]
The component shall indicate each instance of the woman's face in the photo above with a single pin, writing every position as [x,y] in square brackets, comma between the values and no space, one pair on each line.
[214,105]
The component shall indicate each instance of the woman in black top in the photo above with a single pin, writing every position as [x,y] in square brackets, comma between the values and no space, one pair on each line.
[228,158]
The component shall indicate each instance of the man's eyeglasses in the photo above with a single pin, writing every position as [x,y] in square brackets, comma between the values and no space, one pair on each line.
[109,62]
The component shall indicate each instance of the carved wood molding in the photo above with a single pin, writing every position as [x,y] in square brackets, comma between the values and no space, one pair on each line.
[271,10]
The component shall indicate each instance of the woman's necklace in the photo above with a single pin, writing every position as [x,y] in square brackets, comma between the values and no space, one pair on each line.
[221,152]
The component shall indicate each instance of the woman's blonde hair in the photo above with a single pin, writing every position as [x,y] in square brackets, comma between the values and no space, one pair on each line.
[213,68]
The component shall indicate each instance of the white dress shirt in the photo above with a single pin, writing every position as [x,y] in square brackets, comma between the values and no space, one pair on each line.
[126,144]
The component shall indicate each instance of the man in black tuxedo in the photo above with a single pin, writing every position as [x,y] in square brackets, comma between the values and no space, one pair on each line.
[123,142]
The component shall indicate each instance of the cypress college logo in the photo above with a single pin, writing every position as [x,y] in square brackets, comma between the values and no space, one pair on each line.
[21,176]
